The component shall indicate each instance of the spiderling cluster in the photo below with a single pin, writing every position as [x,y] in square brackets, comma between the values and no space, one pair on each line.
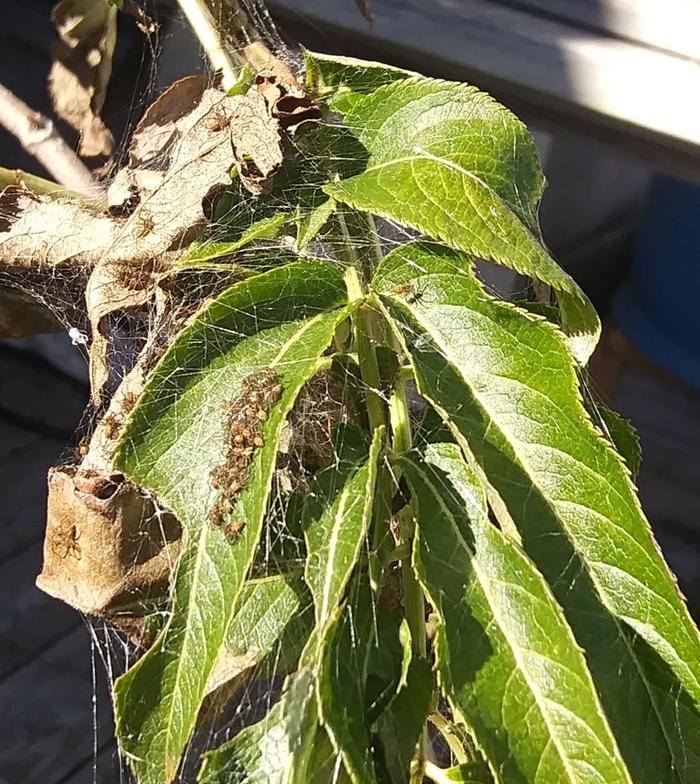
[259,392]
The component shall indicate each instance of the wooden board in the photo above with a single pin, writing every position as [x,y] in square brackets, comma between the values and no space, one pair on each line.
[23,493]
[643,96]
[107,768]
[47,722]
[672,25]
[42,399]
[30,621]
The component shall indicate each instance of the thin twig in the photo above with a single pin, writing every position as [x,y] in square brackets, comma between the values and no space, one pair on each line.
[208,32]
[438,775]
[39,137]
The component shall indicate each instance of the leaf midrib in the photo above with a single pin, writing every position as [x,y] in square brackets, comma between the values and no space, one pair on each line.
[204,533]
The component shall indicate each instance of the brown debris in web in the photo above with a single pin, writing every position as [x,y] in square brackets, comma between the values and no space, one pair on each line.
[307,440]
[244,419]
[180,158]
[107,546]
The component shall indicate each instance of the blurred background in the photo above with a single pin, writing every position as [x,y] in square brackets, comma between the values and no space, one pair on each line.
[610,89]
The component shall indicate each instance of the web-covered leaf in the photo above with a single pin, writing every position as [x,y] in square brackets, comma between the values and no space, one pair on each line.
[344,655]
[340,80]
[276,749]
[261,340]
[335,521]
[296,205]
[265,638]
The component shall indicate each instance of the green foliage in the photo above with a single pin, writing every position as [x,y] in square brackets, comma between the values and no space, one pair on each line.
[489,563]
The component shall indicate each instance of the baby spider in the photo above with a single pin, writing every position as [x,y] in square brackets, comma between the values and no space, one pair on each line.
[218,120]
[129,401]
[234,529]
[146,224]
[66,543]
[82,448]
[111,426]
[407,290]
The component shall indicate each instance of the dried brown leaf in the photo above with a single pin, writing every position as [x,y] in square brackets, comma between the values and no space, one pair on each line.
[180,158]
[107,547]
[43,233]
[82,66]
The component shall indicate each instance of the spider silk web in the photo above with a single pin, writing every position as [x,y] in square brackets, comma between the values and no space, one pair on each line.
[327,402]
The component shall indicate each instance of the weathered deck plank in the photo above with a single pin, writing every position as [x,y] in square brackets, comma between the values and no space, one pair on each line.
[46,726]
[672,26]
[29,619]
[46,685]
[23,490]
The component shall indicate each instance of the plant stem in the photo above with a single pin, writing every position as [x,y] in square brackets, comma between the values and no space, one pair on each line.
[399,416]
[366,354]
[207,30]
[348,248]
[414,602]
[40,186]
[39,138]
[438,775]
[374,239]
[446,729]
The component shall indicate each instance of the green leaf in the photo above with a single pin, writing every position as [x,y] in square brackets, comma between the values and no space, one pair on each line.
[276,749]
[505,383]
[400,726]
[325,765]
[389,661]
[622,435]
[271,327]
[507,659]
[344,654]
[449,161]
[341,79]
[335,521]
[208,250]
[468,773]
[268,632]
[311,221]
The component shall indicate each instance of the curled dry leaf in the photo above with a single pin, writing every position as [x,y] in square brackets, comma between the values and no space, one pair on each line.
[82,66]
[41,233]
[180,158]
[107,547]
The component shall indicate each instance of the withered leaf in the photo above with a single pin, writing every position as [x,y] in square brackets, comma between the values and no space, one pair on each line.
[180,158]
[257,142]
[82,66]
[106,546]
